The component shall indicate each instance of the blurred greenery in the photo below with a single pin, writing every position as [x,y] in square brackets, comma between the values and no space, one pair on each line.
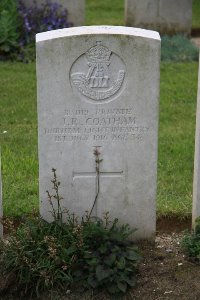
[195,14]
[178,48]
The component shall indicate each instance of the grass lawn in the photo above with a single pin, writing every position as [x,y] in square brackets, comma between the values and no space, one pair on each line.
[196,14]
[18,137]
[106,13]
[176,138]
[18,134]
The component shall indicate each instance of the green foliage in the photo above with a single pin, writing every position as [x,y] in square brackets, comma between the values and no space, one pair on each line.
[191,243]
[109,260]
[93,253]
[178,48]
[37,255]
[27,53]
[9,24]
[19,24]
[195,14]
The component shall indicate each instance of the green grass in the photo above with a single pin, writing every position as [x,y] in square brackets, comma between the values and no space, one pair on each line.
[176,138]
[196,14]
[18,137]
[108,12]
[104,12]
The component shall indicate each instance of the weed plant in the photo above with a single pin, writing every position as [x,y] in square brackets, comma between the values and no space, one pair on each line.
[191,243]
[93,253]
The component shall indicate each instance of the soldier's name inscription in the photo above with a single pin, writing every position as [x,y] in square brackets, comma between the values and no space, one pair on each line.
[100,124]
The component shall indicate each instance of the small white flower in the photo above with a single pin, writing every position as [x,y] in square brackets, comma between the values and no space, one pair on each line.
[4,131]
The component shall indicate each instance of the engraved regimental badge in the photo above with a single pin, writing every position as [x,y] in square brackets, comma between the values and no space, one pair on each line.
[98,74]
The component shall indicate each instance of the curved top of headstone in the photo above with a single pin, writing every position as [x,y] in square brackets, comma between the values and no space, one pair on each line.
[90,30]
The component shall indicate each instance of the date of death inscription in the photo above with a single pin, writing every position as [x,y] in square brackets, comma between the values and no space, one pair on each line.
[77,125]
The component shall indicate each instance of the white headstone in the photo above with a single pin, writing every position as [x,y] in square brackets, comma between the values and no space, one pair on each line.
[196,181]
[166,16]
[98,87]
[1,204]
[75,8]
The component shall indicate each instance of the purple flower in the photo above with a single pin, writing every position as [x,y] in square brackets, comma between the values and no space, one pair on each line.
[37,19]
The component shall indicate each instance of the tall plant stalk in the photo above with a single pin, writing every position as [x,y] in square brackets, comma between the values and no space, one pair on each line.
[97,161]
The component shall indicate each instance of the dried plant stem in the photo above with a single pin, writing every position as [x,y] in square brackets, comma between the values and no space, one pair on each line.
[97,161]
[97,186]
[56,213]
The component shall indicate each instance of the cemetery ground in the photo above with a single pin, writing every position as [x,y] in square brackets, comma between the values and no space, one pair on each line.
[164,273]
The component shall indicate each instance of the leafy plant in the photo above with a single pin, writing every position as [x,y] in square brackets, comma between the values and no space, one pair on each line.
[49,16]
[178,48]
[9,24]
[109,261]
[92,253]
[191,243]
[19,24]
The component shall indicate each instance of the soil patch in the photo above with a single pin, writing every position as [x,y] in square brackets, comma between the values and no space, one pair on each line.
[165,273]
[163,224]
[196,41]
[173,224]
[195,32]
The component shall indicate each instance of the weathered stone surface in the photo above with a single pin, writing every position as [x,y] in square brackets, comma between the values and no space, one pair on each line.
[75,8]
[166,16]
[98,87]
[196,181]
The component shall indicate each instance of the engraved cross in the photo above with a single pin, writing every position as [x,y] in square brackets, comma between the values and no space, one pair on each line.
[94,174]
[100,174]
